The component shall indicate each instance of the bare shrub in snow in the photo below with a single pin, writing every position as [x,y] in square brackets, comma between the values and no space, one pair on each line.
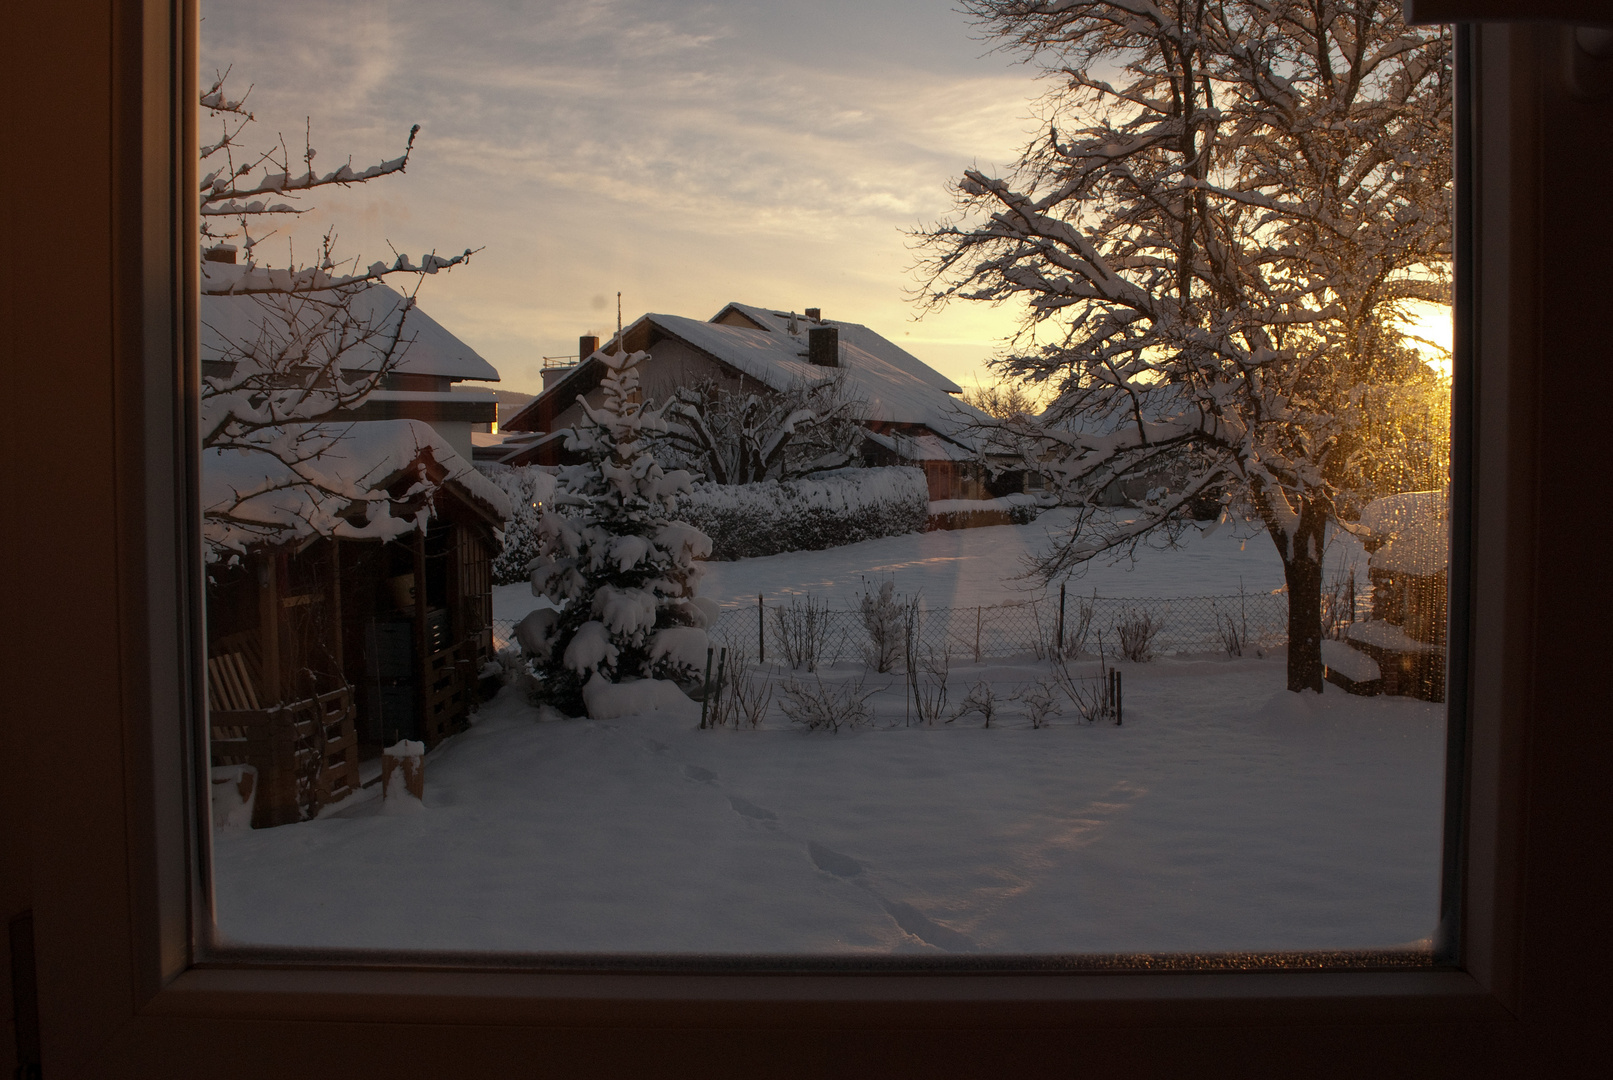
[1078,626]
[741,695]
[928,672]
[1338,600]
[1137,631]
[1040,699]
[801,629]
[1234,634]
[928,669]
[815,704]
[982,700]
[1088,695]
[882,618]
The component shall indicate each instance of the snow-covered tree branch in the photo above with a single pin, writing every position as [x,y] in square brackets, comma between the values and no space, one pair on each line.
[742,437]
[287,350]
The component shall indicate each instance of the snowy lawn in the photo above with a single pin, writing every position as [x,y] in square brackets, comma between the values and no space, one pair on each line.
[1226,813]
[968,567]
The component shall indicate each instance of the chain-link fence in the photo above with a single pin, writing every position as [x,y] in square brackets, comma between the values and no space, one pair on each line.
[1029,628]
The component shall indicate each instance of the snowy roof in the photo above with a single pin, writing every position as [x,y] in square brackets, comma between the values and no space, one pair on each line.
[1412,530]
[851,333]
[239,321]
[339,469]
[897,387]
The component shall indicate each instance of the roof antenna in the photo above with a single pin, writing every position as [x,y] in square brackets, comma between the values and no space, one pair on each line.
[618,322]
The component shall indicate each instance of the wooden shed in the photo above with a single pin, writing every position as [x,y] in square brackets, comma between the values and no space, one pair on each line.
[323,648]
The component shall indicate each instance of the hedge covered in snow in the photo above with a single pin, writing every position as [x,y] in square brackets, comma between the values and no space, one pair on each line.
[824,511]
[1016,509]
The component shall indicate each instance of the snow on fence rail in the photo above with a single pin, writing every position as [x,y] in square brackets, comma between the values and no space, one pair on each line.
[1190,624]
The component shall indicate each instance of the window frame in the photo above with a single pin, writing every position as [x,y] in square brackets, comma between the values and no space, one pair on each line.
[107,860]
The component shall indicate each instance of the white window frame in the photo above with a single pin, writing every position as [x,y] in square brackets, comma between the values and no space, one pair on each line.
[106,862]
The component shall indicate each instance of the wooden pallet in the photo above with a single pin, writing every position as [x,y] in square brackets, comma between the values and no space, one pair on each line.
[449,688]
[306,753]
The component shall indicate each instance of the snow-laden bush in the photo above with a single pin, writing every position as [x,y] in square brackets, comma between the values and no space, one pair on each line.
[823,511]
[530,488]
[882,617]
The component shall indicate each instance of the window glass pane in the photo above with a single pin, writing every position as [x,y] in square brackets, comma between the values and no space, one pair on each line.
[814,480]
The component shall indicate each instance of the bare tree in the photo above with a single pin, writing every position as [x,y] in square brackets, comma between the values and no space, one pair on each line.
[1004,401]
[743,436]
[1216,242]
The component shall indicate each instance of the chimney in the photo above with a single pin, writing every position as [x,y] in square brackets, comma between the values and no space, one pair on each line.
[587,345]
[815,314]
[220,253]
[823,346]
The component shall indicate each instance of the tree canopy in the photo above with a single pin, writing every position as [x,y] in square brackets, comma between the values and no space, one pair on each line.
[1215,242]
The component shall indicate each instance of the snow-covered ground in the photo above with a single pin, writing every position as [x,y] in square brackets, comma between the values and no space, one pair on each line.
[1225,813]
[969,567]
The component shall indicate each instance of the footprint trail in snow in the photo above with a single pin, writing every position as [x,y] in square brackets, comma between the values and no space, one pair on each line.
[909,919]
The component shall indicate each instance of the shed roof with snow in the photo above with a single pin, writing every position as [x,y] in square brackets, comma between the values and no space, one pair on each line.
[344,480]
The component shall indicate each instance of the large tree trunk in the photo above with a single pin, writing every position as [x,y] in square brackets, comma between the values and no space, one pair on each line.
[1302,570]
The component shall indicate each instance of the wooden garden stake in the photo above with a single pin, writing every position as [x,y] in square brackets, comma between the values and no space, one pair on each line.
[722,662]
[1060,653]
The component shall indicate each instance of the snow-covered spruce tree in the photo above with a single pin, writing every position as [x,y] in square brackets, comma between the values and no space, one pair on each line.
[319,337]
[619,568]
[1216,243]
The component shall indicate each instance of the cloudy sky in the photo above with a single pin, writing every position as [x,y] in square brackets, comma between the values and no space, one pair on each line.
[684,153]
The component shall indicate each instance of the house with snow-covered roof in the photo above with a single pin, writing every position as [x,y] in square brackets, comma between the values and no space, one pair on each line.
[424,377]
[909,411]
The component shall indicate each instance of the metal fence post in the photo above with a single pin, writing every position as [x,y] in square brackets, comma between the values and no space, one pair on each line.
[761,630]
